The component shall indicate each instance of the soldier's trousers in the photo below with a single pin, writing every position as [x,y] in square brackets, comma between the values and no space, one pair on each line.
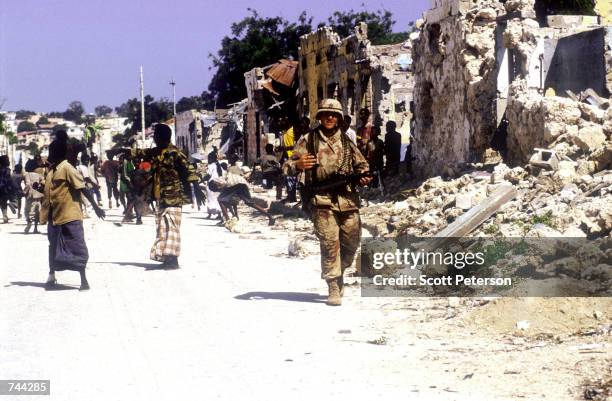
[339,234]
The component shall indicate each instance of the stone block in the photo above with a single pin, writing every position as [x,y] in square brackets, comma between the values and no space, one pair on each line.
[589,138]
[464,201]
[571,21]
[544,158]
[445,8]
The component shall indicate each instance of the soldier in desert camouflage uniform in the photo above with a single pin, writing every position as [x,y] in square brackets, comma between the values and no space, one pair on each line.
[319,155]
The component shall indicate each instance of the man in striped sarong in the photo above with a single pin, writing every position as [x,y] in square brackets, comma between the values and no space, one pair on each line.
[172,178]
[168,238]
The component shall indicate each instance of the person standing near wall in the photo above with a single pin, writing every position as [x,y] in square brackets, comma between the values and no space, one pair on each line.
[319,155]
[287,144]
[346,128]
[364,131]
[393,148]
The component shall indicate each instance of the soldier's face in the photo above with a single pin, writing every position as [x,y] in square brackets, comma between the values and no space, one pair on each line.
[329,120]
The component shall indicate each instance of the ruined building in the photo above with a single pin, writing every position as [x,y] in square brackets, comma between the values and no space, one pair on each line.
[356,73]
[495,74]
[271,93]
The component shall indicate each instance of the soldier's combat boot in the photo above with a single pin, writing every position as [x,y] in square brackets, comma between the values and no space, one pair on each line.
[334,298]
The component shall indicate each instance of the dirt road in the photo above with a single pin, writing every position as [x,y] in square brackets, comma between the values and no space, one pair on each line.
[239,321]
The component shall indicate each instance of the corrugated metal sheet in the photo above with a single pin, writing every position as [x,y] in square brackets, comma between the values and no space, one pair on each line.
[283,72]
[267,84]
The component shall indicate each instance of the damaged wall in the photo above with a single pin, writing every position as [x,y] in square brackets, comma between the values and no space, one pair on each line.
[455,85]
[481,70]
[331,67]
[357,74]
[568,70]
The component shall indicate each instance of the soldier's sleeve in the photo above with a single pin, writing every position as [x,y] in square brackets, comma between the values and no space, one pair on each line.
[146,154]
[186,171]
[360,164]
[300,148]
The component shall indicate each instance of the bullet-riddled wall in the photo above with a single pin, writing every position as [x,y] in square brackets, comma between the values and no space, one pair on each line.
[331,67]
[356,73]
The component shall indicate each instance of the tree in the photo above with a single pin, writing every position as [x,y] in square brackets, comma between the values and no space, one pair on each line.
[43,120]
[203,102]
[25,126]
[254,41]
[74,112]
[33,148]
[155,111]
[102,110]
[380,25]
[23,114]
[59,127]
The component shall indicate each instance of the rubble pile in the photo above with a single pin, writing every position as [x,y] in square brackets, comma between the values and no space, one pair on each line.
[564,202]
[575,130]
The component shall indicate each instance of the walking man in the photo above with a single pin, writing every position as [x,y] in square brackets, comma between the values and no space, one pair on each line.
[34,184]
[110,171]
[61,209]
[7,189]
[321,154]
[173,176]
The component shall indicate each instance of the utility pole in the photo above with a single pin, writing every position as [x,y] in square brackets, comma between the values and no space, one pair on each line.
[173,84]
[142,104]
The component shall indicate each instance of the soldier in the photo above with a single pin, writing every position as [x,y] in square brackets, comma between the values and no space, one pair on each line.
[173,176]
[319,155]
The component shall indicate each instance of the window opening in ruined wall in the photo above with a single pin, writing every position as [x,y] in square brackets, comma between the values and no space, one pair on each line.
[365,98]
[433,31]
[350,95]
[426,105]
[332,91]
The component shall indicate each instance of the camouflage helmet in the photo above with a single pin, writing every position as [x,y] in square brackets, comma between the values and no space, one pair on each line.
[331,106]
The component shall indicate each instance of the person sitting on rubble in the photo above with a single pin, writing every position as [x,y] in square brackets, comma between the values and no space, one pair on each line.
[233,189]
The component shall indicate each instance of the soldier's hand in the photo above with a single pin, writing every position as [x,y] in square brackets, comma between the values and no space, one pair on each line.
[306,162]
[365,180]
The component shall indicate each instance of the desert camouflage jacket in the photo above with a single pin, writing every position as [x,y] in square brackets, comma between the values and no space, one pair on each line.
[329,157]
[172,175]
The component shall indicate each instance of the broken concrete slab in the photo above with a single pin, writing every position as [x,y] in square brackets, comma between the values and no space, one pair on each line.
[545,158]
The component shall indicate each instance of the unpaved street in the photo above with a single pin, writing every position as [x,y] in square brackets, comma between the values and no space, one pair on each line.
[240,321]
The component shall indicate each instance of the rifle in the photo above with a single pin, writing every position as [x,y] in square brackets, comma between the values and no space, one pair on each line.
[338,181]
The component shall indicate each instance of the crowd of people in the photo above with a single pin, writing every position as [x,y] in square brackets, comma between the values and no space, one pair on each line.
[63,189]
